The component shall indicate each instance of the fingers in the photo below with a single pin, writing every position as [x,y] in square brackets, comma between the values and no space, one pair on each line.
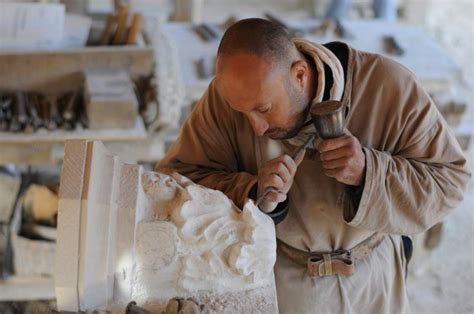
[275,197]
[274,181]
[334,143]
[342,152]
[278,174]
[282,170]
[283,166]
[343,159]
[338,173]
[337,163]
[344,146]
[289,163]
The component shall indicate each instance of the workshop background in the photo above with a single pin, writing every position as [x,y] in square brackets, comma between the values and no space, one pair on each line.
[42,104]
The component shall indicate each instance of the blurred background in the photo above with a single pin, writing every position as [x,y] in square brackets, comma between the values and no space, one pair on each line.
[62,60]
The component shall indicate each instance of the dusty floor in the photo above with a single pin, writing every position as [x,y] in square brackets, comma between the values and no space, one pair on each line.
[445,284]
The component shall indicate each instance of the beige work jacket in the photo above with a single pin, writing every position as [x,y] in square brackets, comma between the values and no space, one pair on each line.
[415,175]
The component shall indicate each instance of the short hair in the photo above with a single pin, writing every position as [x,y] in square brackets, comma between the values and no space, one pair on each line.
[257,36]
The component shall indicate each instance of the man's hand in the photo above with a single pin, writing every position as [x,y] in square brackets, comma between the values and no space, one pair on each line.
[343,159]
[277,173]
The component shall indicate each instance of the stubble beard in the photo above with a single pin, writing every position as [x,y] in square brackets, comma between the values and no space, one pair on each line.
[298,100]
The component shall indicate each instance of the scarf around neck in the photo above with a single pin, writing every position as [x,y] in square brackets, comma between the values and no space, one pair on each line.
[322,56]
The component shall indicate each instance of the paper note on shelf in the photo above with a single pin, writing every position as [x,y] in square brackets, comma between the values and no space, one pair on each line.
[31,25]
[76,31]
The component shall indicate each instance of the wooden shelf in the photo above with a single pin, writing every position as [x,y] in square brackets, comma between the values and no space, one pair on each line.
[46,147]
[27,288]
[59,136]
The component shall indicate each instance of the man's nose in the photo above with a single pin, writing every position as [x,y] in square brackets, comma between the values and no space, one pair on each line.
[259,125]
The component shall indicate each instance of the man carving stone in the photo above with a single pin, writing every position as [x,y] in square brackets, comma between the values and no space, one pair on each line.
[342,208]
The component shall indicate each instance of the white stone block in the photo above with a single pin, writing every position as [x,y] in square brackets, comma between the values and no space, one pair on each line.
[110,99]
[149,237]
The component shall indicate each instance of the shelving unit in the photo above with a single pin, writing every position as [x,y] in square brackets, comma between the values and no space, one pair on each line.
[59,71]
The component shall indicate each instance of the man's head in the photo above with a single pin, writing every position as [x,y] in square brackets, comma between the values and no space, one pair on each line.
[261,74]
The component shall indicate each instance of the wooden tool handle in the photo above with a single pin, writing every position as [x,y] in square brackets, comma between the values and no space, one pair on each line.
[134,29]
[122,15]
[108,29]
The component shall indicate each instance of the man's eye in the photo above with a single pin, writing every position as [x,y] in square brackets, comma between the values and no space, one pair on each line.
[265,110]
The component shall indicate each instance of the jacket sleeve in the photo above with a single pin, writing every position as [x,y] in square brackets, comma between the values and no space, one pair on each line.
[414,186]
[206,150]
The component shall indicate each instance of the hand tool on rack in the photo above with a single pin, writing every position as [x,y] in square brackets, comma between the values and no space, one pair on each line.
[32,108]
[341,31]
[119,37]
[108,30]
[21,107]
[392,46]
[19,117]
[69,111]
[206,32]
[134,29]
[54,118]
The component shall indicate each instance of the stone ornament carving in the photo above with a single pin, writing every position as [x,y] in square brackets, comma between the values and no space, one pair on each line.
[171,95]
[128,234]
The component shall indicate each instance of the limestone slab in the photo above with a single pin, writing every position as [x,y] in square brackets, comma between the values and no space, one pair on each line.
[149,237]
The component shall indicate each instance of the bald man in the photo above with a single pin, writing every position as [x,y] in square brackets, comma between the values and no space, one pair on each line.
[341,209]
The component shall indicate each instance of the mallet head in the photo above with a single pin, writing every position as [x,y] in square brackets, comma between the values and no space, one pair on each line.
[328,118]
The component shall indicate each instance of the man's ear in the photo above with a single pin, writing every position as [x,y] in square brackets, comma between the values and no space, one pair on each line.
[300,72]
